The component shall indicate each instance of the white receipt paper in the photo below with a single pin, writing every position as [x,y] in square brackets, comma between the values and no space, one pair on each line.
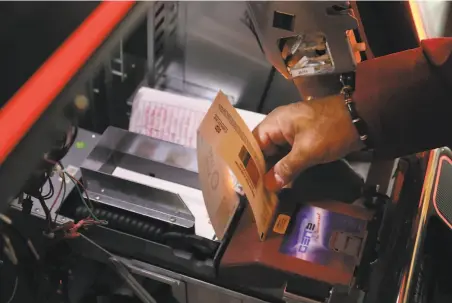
[225,141]
[174,118]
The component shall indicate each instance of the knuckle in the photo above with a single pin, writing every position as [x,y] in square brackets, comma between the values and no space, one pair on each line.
[285,169]
[305,109]
[277,111]
[307,141]
[299,105]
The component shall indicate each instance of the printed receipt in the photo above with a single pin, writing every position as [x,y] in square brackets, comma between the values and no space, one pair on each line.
[225,141]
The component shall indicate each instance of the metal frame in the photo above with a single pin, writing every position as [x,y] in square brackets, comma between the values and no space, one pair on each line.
[72,161]
[43,108]
[308,17]
[426,210]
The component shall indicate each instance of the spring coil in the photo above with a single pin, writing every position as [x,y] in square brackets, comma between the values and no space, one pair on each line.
[125,223]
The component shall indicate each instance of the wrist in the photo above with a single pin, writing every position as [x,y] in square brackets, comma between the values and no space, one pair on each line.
[359,124]
[352,136]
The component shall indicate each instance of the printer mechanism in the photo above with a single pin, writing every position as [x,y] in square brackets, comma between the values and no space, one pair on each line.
[337,235]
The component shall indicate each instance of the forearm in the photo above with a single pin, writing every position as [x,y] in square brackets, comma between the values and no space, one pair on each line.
[406,100]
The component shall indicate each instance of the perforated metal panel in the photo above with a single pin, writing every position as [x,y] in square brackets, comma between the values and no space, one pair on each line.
[163,25]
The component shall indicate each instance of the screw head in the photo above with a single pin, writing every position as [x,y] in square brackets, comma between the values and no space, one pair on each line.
[81,102]
[172,219]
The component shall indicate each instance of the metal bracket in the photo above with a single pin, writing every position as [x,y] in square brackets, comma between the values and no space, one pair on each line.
[305,21]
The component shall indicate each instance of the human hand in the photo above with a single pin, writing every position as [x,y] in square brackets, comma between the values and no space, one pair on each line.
[316,131]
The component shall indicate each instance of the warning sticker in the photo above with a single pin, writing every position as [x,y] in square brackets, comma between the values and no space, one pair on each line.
[281,224]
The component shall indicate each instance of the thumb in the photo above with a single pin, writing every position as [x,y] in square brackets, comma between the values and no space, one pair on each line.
[285,171]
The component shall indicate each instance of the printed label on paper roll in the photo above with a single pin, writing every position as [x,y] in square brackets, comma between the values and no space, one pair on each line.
[224,141]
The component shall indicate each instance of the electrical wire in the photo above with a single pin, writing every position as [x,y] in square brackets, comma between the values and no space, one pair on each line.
[78,184]
[4,247]
[13,294]
[74,134]
[57,212]
[8,223]
[247,21]
[58,194]
[8,249]
[61,151]
[268,82]
[84,189]
[51,189]
[123,271]
[46,211]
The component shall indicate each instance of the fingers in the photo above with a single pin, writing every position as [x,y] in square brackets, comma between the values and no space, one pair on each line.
[319,132]
[269,134]
[275,132]
[286,170]
[273,182]
[263,139]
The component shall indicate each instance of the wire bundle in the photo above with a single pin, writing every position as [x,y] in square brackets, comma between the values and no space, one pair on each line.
[7,248]
[57,153]
[91,218]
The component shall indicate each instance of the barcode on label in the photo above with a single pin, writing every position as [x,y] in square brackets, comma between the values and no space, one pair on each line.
[249,164]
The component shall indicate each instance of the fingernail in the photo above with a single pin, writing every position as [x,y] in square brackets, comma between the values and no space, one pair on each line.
[273,181]
[279,180]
